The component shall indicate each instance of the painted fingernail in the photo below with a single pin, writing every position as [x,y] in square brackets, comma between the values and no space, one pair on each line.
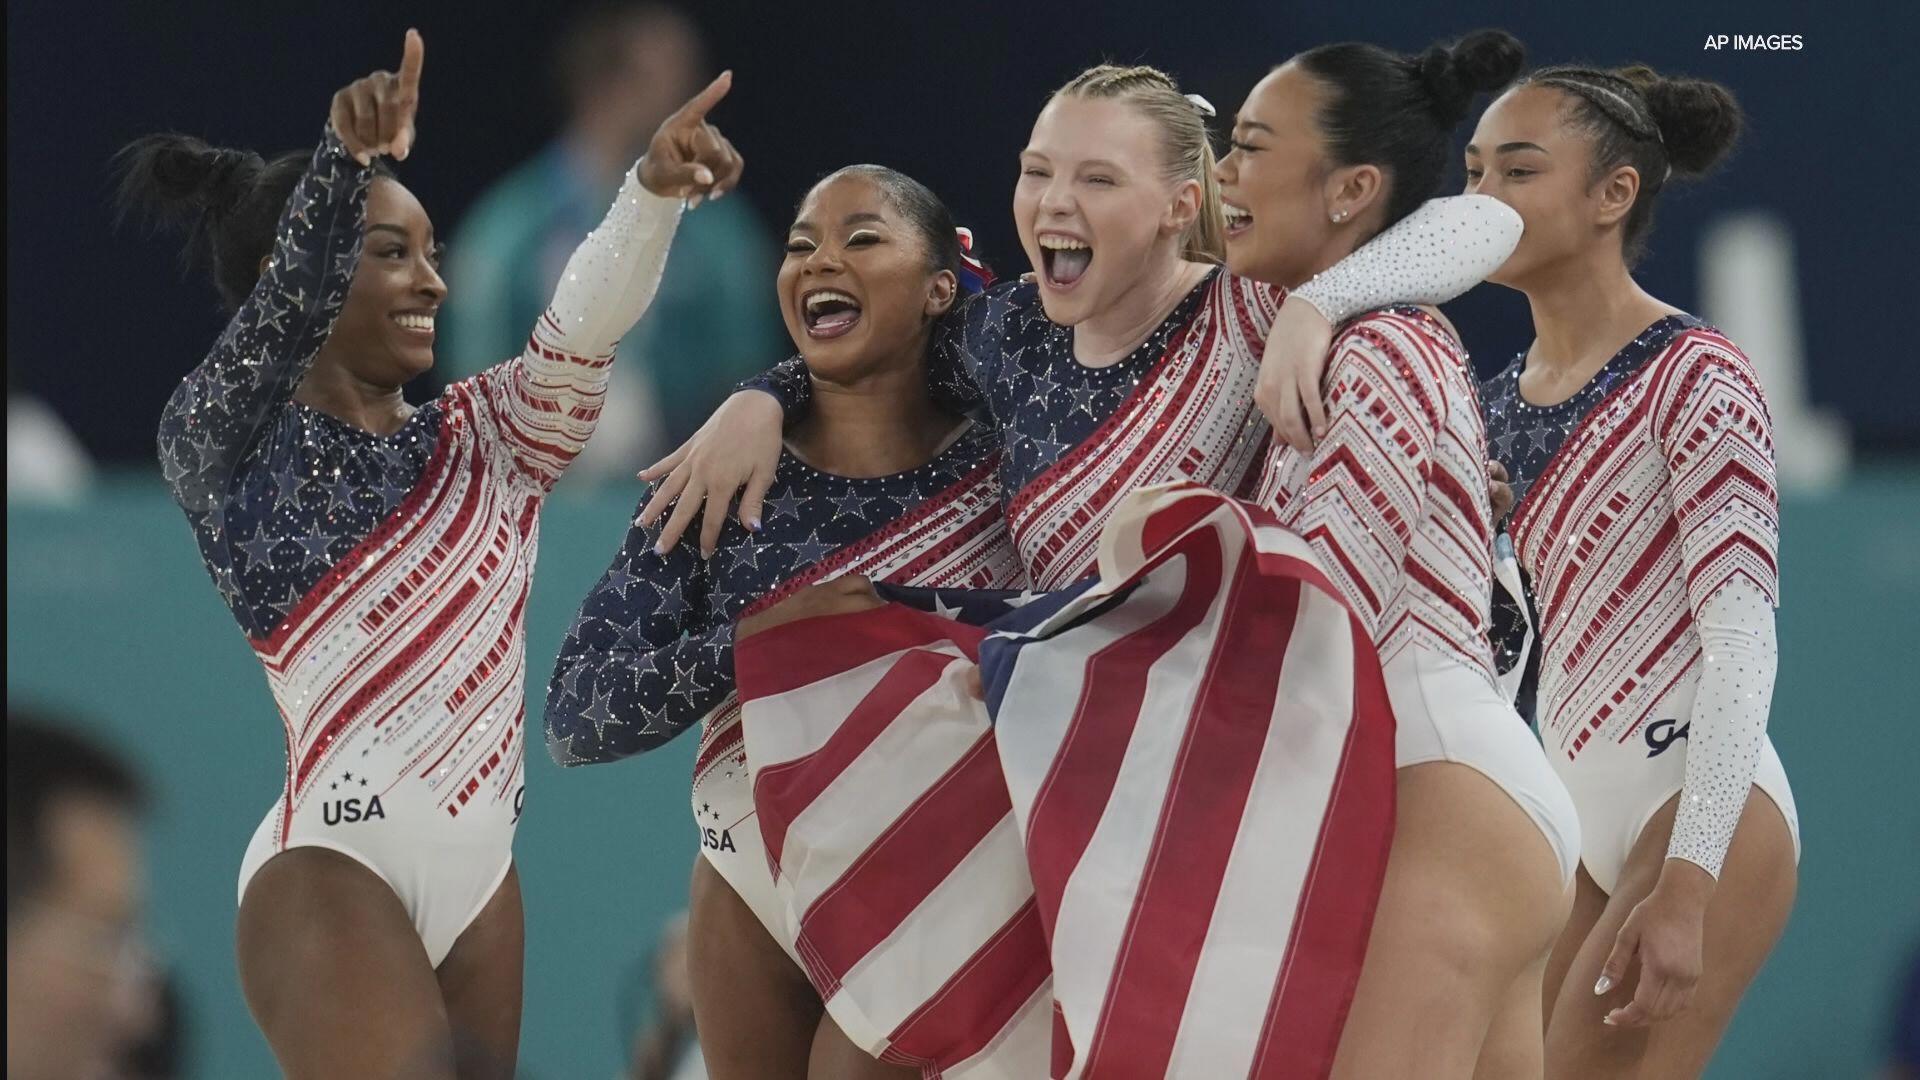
[693,202]
[1608,1020]
[659,549]
[754,524]
[1605,984]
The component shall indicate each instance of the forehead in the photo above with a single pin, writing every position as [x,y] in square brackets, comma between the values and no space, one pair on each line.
[1076,128]
[1523,114]
[1285,101]
[837,197]
[390,203]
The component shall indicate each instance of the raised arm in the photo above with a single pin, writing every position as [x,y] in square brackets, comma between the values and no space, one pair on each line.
[1434,254]
[1365,484]
[548,399]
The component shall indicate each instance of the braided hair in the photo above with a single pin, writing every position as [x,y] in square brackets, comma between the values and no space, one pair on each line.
[1659,126]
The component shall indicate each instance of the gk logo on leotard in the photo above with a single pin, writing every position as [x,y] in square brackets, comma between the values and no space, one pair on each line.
[1662,734]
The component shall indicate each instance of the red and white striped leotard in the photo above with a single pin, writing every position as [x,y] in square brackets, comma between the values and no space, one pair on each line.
[1394,502]
[382,580]
[1651,539]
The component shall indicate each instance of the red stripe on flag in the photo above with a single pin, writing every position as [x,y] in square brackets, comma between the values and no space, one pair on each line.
[791,655]
[897,873]
[1070,801]
[1213,773]
[794,785]
[982,998]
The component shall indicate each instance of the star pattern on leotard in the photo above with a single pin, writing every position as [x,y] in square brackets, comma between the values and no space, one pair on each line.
[277,492]
[1525,437]
[656,633]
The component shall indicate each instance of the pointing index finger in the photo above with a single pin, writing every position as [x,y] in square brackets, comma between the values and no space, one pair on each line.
[411,58]
[696,109]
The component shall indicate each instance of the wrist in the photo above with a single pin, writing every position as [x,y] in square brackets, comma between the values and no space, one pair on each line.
[1685,884]
[1301,302]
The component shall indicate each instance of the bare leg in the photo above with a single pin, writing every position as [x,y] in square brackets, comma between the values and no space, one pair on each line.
[836,1058]
[335,974]
[1512,1049]
[1473,898]
[1745,917]
[1588,903]
[480,980]
[754,1009]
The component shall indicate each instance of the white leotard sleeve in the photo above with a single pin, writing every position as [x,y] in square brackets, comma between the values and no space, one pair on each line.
[1432,255]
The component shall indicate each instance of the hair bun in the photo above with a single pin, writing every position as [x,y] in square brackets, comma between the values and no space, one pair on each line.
[167,173]
[1699,121]
[1483,60]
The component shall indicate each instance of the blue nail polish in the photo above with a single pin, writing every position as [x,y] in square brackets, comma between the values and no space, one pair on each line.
[754,524]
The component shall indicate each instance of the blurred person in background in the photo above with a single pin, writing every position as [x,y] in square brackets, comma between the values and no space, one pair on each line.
[621,68]
[76,966]
[665,1046]
[45,461]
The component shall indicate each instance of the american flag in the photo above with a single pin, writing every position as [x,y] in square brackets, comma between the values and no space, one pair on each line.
[1155,849]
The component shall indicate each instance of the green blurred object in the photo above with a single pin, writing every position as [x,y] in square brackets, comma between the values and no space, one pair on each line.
[110,615]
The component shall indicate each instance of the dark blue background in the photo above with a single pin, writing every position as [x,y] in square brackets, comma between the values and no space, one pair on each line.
[104,324]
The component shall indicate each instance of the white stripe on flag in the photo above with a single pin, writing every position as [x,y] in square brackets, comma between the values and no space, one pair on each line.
[1248,936]
[942,932]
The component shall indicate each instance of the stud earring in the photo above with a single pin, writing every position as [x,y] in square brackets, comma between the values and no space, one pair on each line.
[1339,215]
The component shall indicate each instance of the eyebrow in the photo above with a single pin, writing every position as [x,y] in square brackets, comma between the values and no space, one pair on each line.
[856,218]
[1240,121]
[1508,148]
[395,229]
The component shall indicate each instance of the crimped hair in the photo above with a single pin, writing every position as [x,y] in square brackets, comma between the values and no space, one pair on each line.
[1187,151]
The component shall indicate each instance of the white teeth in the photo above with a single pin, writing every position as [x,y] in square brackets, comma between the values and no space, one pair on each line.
[825,296]
[1235,215]
[1064,243]
[415,322]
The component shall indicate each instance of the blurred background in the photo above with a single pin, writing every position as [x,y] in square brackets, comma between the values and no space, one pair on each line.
[1802,248]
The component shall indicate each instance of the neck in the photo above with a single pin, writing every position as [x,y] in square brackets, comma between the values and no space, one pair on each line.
[877,425]
[1107,337]
[1581,307]
[344,396]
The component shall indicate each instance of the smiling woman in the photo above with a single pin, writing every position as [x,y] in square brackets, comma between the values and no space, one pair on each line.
[378,558]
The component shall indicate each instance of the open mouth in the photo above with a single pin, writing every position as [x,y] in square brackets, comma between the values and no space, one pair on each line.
[419,323]
[1239,219]
[829,313]
[1064,259]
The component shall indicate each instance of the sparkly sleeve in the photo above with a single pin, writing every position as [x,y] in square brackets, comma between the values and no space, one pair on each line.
[1432,255]
[1718,443]
[953,363]
[548,399]
[1366,482]
[648,655]
[222,406]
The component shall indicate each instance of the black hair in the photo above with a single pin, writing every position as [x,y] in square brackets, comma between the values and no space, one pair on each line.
[1399,112]
[1660,126]
[919,205]
[228,202]
[47,762]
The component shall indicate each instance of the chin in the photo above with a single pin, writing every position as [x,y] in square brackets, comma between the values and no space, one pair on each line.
[1068,310]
